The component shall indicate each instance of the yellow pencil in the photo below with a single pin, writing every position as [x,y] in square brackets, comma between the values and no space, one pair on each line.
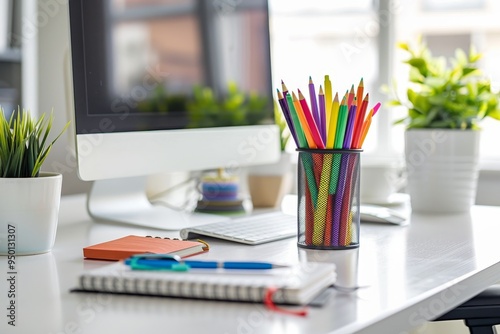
[328,101]
[332,124]
[320,219]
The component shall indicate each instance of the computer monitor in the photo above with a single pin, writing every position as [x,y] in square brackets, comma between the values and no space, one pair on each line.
[163,86]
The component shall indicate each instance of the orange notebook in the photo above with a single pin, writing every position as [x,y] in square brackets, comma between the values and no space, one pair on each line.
[125,247]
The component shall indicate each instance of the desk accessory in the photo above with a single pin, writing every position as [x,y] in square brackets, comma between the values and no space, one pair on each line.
[29,199]
[251,230]
[329,141]
[128,246]
[379,214]
[294,285]
[173,262]
[220,194]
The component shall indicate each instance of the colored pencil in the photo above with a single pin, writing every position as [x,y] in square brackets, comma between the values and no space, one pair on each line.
[375,109]
[339,196]
[284,89]
[329,179]
[366,125]
[350,97]
[297,124]
[359,121]
[341,124]
[305,125]
[322,203]
[332,127]
[314,105]
[328,101]
[322,112]
[359,94]
[288,119]
[351,117]
[310,120]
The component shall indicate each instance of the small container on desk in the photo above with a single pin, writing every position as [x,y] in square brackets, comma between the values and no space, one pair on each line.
[328,198]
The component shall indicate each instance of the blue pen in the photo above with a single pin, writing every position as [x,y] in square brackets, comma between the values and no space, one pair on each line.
[169,262]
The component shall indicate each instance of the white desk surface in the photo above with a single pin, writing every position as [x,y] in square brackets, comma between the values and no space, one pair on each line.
[407,275]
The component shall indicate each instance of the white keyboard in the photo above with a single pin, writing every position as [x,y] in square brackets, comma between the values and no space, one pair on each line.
[251,230]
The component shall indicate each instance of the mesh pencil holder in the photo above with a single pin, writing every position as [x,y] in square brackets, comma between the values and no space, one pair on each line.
[328,198]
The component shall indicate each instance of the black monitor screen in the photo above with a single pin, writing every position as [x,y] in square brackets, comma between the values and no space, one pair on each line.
[170,64]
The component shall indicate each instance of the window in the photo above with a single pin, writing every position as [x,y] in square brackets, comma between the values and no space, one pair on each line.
[358,39]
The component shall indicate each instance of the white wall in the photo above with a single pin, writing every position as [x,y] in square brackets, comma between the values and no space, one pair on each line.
[51,44]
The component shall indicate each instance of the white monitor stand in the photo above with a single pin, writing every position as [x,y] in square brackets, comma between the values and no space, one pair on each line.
[124,200]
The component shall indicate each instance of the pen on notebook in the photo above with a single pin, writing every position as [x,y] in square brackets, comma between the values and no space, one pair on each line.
[168,262]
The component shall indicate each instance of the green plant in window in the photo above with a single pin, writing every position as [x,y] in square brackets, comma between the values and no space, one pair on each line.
[454,95]
[161,101]
[234,108]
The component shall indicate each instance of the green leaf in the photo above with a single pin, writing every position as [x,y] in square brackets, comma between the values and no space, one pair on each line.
[470,71]
[22,141]
[420,64]
[403,46]
[392,103]
[435,83]
[495,114]
[446,96]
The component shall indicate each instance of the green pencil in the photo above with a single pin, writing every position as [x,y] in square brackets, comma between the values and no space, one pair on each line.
[296,123]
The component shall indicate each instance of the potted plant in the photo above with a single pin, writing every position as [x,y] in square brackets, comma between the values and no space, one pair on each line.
[445,104]
[29,199]
[269,183]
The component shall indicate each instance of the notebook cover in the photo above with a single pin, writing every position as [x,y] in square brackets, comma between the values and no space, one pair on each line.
[125,247]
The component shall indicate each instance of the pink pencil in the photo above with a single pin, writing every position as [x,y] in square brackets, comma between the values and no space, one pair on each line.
[310,120]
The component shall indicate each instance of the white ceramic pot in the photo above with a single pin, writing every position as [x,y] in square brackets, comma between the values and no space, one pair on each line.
[29,210]
[442,169]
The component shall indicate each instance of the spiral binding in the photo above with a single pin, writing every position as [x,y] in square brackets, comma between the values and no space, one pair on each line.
[180,288]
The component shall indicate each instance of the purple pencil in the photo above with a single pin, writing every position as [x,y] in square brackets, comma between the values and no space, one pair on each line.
[337,205]
[322,112]
[350,126]
[286,113]
[314,106]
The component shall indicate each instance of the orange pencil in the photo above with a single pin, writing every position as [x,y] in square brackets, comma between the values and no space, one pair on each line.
[360,118]
[367,123]
[303,122]
[365,128]
[312,124]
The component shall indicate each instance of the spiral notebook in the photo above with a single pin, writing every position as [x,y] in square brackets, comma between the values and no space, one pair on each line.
[295,285]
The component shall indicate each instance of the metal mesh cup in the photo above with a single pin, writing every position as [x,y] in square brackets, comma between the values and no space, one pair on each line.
[328,199]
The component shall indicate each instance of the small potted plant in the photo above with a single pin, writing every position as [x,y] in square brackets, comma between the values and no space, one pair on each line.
[29,198]
[445,103]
